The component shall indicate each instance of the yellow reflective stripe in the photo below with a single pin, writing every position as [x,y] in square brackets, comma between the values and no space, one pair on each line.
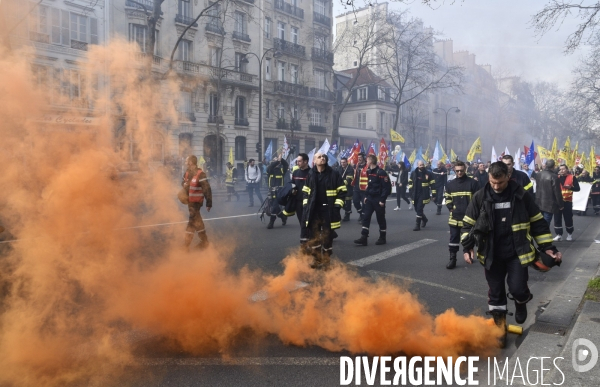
[527,258]
[481,258]
[463,236]
[306,189]
[456,223]
[469,220]
[335,225]
[537,217]
[426,201]
[304,202]
[331,192]
[520,226]
[340,202]
[544,238]
[528,186]
[342,188]
[289,213]
[469,194]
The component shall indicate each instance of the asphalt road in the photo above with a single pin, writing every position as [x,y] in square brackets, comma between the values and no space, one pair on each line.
[422,269]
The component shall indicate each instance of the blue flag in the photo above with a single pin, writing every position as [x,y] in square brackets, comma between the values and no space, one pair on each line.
[269,151]
[362,149]
[406,162]
[530,156]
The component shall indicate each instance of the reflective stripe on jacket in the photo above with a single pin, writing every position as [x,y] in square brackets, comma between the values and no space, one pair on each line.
[196,192]
[567,193]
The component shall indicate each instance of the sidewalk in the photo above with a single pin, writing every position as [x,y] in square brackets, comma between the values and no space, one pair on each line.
[565,319]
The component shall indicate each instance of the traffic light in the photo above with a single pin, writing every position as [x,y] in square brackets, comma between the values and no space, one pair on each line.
[258,148]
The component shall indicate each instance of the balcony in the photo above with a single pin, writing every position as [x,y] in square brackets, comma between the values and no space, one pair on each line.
[77,45]
[290,88]
[322,55]
[190,67]
[241,121]
[289,47]
[138,4]
[142,56]
[317,129]
[284,7]
[249,1]
[321,19]
[321,94]
[186,116]
[215,28]
[215,119]
[186,20]
[281,124]
[241,36]
[37,37]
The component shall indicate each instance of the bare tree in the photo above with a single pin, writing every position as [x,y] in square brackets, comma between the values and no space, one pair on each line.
[410,64]
[358,42]
[414,120]
[585,92]
[555,12]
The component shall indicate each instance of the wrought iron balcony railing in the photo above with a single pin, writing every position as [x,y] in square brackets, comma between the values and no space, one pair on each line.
[321,94]
[289,47]
[186,116]
[241,121]
[317,129]
[216,28]
[214,119]
[241,36]
[290,88]
[322,55]
[76,44]
[289,9]
[38,37]
[321,19]
[185,20]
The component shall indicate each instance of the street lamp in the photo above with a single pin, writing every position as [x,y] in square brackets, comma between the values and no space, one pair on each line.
[456,110]
[276,54]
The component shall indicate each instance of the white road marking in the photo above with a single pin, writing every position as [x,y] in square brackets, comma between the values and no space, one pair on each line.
[262,295]
[242,361]
[391,253]
[376,274]
[183,222]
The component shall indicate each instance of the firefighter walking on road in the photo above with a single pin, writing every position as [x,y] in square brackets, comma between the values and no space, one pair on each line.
[378,189]
[568,185]
[595,193]
[459,193]
[347,173]
[294,204]
[359,184]
[440,174]
[419,185]
[276,171]
[195,181]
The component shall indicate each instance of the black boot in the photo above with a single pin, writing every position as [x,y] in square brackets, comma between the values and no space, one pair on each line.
[439,210]
[271,222]
[381,240]
[452,264]
[360,217]
[417,225]
[500,321]
[424,221]
[362,241]
[346,217]
[283,219]
[521,309]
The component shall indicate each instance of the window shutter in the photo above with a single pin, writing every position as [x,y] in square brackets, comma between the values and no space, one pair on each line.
[64,28]
[55,31]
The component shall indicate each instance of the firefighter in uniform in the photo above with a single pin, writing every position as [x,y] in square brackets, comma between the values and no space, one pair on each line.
[276,171]
[195,181]
[378,189]
[595,192]
[510,222]
[347,173]
[419,185]
[230,178]
[360,182]
[458,196]
[294,203]
[323,197]
[568,185]
[440,174]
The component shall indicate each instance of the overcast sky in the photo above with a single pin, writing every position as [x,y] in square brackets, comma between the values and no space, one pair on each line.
[498,33]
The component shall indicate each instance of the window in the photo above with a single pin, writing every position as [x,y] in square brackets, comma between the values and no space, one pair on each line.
[315,116]
[268,28]
[215,56]
[362,94]
[295,74]
[185,8]
[320,41]
[362,120]
[60,27]
[320,7]
[380,94]
[281,111]
[355,63]
[320,79]
[240,62]
[240,22]
[185,102]
[213,104]
[309,145]
[281,30]
[294,31]
[39,19]
[213,13]
[79,27]
[392,119]
[240,108]
[157,146]
[268,109]
[295,112]
[240,148]
[40,76]
[268,69]
[393,94]
[381,121]
[139,33]
[281,71]
[184,51]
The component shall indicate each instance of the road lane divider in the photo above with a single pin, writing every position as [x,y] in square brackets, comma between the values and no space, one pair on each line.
[391,253]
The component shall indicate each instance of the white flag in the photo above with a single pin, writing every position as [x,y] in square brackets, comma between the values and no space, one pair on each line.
[518,160]
[311,154]
[506,152]
[324,148]
[494,157]
[286,148]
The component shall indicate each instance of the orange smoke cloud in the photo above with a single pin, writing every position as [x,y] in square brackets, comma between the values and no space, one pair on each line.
[77,281]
